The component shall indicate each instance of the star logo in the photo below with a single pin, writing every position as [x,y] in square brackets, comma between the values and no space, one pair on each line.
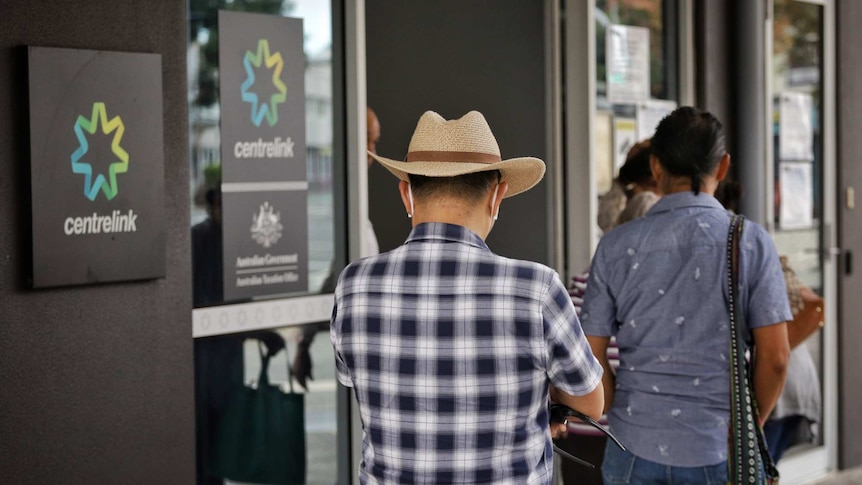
[108,184]
[263,109]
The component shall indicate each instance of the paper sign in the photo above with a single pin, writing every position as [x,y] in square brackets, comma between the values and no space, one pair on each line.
[797,195]
[625,137]
[795,130]
[604,151]
[627,64]
[650,113]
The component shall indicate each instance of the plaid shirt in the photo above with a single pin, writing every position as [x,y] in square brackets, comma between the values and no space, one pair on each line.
[450,350]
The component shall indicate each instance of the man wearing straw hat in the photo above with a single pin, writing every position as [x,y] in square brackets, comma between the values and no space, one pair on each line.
[451,350]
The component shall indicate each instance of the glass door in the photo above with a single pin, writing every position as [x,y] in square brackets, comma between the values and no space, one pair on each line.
[268,170]
[802,218]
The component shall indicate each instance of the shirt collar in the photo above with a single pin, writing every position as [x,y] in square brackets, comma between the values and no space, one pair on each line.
[680,200]
[443,232]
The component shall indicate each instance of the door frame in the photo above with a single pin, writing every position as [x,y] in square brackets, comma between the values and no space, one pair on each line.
[816,462]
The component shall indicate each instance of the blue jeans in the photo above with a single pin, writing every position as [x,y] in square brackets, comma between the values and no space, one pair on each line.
[622,467]
[782,433]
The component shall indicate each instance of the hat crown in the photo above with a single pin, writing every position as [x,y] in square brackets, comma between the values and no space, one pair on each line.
[470,133]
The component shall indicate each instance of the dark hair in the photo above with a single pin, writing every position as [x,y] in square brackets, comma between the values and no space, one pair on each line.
[689,142]
[636,170]
[471,186]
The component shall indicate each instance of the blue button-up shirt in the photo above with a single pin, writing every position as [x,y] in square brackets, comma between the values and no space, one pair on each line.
[659,284]
[450,350]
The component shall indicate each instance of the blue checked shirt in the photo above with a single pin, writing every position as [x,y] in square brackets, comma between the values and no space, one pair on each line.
[659,285]
[450,350]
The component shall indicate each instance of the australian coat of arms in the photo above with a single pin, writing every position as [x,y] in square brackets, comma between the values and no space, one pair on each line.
[266,226]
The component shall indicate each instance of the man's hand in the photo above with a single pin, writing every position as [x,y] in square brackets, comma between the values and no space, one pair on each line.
[559,430]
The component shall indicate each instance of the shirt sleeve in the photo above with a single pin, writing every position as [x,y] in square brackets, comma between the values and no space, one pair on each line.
[765,289]
[598,314]
[341,370]
[571,366]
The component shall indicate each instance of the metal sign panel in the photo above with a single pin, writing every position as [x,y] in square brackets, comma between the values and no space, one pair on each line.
[96,165]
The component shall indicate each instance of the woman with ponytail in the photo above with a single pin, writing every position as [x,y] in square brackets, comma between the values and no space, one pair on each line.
[658,284]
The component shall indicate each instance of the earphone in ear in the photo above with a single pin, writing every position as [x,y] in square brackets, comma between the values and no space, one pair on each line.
[410,196]
[493,201]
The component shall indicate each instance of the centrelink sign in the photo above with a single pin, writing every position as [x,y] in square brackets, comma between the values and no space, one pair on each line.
[264,179]
[96,166]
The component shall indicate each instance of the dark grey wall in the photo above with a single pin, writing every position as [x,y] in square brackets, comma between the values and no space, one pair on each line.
[453,56]
[95,381]
[849,101]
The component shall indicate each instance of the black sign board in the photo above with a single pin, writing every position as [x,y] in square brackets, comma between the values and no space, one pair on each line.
[264,180]
[97,166]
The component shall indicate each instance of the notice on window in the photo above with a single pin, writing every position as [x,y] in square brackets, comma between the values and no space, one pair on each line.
[604,151]
[795,129]
[650,113]
[797,195]
[627,64]
[625,137]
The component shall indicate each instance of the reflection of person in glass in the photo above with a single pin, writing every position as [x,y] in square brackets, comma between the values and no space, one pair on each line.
[302,364]
[219,368]
[451,350]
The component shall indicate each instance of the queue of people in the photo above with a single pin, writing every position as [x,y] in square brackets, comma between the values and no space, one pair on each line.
[454,353]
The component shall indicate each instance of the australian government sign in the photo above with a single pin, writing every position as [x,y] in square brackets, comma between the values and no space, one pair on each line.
[96,166]
[264,181]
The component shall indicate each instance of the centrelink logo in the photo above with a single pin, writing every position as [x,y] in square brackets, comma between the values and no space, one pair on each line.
[117,221]
[120,165]
[261,110]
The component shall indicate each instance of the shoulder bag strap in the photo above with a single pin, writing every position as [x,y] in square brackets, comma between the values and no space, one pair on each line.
[748,461]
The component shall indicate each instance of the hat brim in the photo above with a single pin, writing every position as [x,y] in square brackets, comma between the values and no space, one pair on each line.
[521,174]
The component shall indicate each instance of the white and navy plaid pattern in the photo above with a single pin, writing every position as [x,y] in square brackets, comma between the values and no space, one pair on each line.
[450,350]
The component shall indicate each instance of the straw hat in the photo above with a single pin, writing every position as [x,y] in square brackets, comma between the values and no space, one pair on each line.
[446,148]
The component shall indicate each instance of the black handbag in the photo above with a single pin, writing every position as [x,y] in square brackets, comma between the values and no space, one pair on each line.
[262,434]
[748,460]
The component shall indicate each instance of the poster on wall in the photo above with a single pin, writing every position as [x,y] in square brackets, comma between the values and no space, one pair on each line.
[797,195]
[795,130]
[96,166]
[604,154]
[264,175]
[625,137]
[650,113]
[627,64]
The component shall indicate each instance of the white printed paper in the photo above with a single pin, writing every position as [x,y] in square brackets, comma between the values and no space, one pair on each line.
[627,64]
[795,130]
[797,195]
[650,113]
[625,137]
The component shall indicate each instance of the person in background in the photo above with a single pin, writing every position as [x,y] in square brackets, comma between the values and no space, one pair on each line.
[302,365]
[636,183]
[370,246]
[453,352]
[658,284]
[218,360]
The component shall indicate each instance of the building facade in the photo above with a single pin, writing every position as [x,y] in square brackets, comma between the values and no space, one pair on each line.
[127,382]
